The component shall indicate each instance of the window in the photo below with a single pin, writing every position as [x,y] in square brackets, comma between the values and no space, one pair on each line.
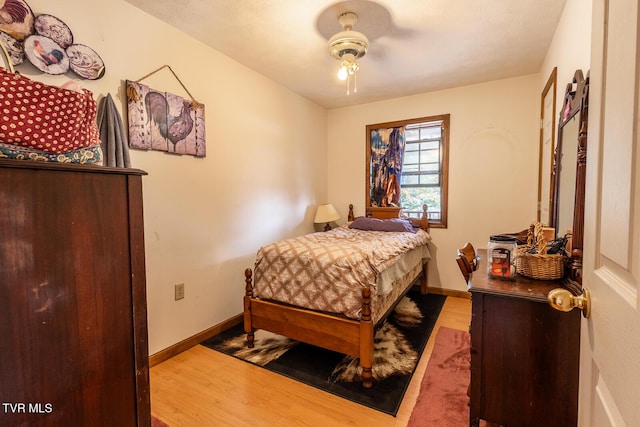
[424,174]
[408,168]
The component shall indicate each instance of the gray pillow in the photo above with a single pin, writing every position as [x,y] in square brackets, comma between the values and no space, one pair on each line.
[375,224]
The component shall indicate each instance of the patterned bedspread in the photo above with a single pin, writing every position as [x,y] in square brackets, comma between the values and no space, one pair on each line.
[326,271]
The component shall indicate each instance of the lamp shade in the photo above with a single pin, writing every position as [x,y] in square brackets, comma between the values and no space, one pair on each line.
[326,213]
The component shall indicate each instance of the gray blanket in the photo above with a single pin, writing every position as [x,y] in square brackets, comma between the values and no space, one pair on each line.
[115,144]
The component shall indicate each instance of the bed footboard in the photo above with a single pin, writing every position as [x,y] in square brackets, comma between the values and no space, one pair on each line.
[248,295]
[337,333]
[366,339]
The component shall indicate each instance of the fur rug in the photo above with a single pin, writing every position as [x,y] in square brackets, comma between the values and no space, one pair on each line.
[393,354]
[398,344]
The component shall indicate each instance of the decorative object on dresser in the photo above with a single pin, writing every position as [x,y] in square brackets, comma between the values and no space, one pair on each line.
[326,214]
[71,134]
[72,115]
[524,354]
[73,314]
[539,258]
[399,342]
[345,324]
[501,257]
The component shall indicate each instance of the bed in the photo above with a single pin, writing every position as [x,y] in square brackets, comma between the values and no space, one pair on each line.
[365,287]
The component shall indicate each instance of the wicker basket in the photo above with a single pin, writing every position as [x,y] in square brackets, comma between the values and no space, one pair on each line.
[541,266]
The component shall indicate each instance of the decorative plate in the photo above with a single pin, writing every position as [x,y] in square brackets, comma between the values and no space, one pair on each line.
[16,19]
[52,27]
[85,62]
[14,48]
[46,55]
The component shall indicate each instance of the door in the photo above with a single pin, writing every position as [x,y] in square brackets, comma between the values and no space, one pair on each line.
[610,340]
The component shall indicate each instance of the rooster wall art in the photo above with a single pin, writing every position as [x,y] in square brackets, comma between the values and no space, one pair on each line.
[164,121]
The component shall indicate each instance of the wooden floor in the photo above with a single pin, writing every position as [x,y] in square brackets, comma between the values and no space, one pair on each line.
[202,387]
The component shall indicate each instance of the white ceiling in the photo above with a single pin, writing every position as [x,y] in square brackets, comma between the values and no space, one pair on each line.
[415,46]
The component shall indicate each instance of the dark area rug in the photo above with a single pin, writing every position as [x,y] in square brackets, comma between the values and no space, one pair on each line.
[399,342]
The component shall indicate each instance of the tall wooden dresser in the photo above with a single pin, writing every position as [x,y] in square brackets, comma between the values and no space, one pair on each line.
[73,317]
[524,354]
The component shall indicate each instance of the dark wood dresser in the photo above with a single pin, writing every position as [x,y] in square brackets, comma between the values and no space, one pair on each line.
[73,317]
[524,354]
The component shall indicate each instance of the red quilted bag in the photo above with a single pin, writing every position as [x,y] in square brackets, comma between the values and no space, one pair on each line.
[47,118]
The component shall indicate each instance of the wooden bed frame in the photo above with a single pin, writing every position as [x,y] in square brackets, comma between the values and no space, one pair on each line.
[333,332]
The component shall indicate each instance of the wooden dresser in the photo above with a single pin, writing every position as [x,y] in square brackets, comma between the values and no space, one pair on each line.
[73,317]
[524,354]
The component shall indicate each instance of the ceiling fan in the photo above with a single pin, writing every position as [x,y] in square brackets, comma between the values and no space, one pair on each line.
[348,46]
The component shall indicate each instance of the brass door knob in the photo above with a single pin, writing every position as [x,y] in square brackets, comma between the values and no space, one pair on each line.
[563,300]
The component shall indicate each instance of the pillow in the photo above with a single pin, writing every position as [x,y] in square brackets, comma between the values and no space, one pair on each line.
[375,224]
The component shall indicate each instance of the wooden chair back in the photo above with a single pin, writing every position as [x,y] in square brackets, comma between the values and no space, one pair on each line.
[467,260]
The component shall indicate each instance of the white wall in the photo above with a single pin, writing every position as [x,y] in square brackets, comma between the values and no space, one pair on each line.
[493,166]
[494,133]
[272,156]
[570,48]
[569,51]
[264,173]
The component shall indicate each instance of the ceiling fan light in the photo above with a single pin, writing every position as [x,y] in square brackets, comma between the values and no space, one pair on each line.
[343,73]
[348,42]
[347,46]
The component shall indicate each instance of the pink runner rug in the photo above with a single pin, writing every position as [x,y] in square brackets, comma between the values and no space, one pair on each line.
[443,400]
[157,422]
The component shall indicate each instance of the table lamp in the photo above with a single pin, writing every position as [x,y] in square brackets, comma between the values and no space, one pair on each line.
[326,213]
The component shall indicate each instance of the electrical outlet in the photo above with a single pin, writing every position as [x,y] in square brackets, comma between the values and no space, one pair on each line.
[179,291]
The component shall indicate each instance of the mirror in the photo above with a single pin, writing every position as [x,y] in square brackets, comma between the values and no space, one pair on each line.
[569,169]
[567,165]
[547,149]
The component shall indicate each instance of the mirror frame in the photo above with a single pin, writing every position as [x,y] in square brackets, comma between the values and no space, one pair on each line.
[576,102]
[547,149]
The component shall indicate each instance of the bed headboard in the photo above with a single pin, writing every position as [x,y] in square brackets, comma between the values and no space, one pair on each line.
[386,213]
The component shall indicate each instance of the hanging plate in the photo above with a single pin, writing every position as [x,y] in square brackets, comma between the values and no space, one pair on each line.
[85,62]
[52,27]
[46,55]
[14,48]
[16,19]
